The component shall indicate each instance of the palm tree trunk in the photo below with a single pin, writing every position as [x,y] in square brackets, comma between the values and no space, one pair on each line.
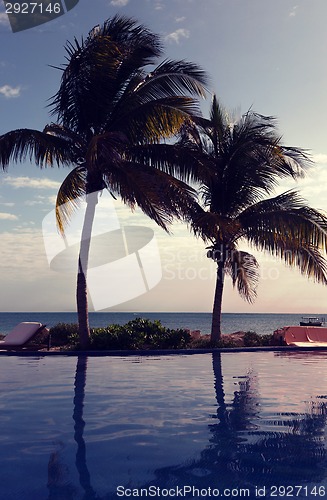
[83,259]
[216,313]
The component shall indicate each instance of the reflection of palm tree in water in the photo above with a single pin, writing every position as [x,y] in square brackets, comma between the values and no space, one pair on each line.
[60,487]
[241,454]
[84,475]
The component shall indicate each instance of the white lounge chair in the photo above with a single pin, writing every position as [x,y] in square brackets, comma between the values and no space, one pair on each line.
[21,335]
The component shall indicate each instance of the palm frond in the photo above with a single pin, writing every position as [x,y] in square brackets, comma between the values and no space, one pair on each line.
[154,120]
[171,78]
[185,163]
[107,148]
[69,196]
[247,158]
[108,67]
[134,37]
[40,147]
[159,103]
[160,196]
[218,125]
[290,230]
[211,226]
[309,260]
[244,271]
[87,86]
[75,140]
[284,217]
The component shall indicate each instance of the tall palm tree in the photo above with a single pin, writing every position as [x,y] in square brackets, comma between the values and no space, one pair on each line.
[113,109]
[240,163]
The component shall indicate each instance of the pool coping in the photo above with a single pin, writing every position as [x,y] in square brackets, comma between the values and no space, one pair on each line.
[163,352]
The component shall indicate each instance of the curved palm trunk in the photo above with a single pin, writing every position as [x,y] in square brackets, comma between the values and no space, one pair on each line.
[83,260]
[216,313]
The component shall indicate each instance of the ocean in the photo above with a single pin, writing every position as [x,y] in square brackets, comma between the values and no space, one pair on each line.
[261,323]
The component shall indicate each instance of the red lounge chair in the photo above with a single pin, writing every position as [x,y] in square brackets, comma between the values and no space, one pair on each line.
[305,336]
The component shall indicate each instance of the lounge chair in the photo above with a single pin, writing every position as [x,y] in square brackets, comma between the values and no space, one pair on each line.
[21,335]
[303,336]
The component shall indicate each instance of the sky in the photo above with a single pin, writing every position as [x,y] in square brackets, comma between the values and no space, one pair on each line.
[270,56]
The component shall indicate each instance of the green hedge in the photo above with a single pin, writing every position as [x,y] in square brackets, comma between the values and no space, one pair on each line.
[139,333]
[252,339]
[142,333]
[64,334]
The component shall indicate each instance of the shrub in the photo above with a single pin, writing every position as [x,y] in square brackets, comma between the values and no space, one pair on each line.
[171,339]
[201,342]
[225,342]
[113,337]
[268,339]
[41,338]
[63,334]
[252,339]
[139,333]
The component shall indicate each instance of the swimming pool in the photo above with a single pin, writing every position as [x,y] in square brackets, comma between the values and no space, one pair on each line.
[229,425]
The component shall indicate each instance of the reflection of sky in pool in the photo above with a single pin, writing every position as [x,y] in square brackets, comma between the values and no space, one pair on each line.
[236,420]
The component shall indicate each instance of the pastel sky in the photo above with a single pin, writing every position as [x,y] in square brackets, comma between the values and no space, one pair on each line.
[268,55]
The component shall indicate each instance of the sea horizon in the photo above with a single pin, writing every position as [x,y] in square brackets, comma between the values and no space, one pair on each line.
[261,323]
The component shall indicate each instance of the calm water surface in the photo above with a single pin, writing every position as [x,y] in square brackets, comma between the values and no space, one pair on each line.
[78,428]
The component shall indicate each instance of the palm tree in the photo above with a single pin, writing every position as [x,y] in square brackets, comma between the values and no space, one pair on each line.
[111,115]
[239,164]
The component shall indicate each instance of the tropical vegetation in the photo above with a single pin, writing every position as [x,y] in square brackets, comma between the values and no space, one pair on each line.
[113,110]
[117,115]
[240,162]
[140,333]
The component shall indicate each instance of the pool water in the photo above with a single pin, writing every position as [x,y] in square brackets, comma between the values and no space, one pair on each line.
[239,424]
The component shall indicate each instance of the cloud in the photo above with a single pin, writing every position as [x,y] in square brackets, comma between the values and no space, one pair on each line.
[177,35]
[32,203]
[28,182]
[9,91]
[7,203]
[52,199]
[320,158]
[119,3]
[41,200]
[5,216]
[22,252]
[180,19]
[311,187]
[293,11]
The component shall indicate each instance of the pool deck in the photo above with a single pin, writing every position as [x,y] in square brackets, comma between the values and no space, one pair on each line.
[163,352]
